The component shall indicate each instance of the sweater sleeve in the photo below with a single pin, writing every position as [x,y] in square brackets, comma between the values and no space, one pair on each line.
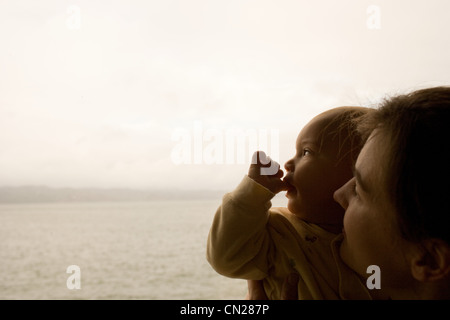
[238,243]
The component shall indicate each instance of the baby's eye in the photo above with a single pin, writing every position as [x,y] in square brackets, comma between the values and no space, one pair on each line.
[306,152]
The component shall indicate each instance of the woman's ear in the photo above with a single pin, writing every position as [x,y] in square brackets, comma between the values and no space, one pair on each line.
[432,262]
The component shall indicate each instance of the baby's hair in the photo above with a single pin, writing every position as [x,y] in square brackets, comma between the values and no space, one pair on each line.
[343,127]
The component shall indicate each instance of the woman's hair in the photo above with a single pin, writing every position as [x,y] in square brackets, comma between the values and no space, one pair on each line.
[415,129]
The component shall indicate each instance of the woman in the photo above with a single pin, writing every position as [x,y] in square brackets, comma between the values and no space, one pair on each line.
[397,209]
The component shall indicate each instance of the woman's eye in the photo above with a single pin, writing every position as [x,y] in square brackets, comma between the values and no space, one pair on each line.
[355,192]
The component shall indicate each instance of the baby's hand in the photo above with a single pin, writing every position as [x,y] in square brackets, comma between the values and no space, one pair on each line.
[266,172]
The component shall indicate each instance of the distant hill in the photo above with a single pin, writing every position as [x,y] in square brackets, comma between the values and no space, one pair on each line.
[30,194]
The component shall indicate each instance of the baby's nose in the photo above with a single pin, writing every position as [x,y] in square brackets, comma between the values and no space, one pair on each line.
[289,166]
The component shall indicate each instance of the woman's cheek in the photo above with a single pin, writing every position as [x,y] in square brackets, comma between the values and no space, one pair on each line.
[352,248]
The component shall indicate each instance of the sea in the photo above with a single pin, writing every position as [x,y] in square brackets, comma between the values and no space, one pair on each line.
[152,250]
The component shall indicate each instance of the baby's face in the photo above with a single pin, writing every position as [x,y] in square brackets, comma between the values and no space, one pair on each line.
[315,173]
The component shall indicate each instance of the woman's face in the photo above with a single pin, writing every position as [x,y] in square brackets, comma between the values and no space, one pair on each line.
[371,236]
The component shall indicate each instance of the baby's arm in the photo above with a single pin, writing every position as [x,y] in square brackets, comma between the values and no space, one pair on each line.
[238,243]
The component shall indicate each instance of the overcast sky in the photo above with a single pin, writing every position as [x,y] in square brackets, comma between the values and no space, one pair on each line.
[109,93]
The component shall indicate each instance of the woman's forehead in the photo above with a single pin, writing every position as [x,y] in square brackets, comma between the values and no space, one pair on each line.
[372,163]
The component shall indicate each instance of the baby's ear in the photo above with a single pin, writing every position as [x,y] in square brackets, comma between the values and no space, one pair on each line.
[432,263]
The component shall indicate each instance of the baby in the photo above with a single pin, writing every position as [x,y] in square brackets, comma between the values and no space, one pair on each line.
[250,240]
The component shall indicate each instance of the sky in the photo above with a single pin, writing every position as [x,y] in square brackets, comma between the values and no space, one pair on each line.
[173,94]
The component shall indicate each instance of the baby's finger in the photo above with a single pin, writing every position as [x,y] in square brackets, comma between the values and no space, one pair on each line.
[280,173]
[278,186]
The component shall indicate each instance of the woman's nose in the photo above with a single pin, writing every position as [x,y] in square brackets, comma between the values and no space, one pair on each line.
[342,194]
